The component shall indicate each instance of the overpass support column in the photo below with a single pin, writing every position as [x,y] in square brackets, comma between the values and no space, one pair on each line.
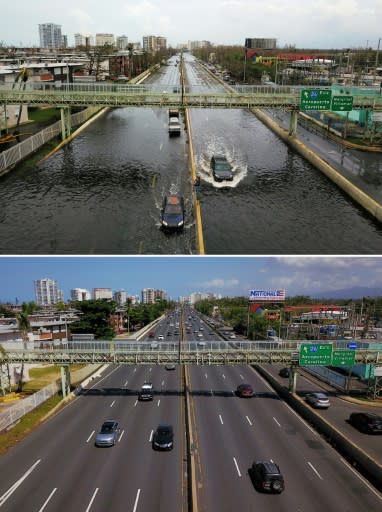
[65,380]
[293,122]
[66,126]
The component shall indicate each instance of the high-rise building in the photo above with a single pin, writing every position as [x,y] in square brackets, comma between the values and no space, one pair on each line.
[50,35]
[83,40]
[154,43]
[46,292]
[79,294]
[103,38]
[102,293]
[120,297]
[150,296]
[122,42]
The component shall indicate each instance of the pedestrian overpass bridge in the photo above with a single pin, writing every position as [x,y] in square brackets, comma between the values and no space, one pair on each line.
[132,352]
[163,96]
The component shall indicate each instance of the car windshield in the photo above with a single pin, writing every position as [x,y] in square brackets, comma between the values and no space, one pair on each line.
[173,209]
[222,166]
[107,428]
[164,431]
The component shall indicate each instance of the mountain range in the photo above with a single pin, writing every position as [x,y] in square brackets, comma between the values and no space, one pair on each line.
[356,292]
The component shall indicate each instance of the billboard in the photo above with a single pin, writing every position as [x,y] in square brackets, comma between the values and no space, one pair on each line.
[267,295]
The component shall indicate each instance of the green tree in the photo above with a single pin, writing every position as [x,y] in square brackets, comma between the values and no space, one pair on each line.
[27,309]
[95,318]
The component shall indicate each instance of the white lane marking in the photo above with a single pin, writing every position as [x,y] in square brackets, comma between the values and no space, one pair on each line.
[92,499]
[379,496]
[91,435]
[237,467]
[161,146]
[134,370]
[223,376]
[125,384]
[135,403]
[162,382]
[206,376]
[151,436]
[267,385]
[221,419]
[276,421]
[112,403]
[315,470]
[48,500]
[120,437]
[242,378]
[13,487]
[136,501]
[150,370]
[300,419]
[158,402]
[249,421]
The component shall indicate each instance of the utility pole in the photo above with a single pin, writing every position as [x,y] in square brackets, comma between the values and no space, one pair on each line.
[376,60]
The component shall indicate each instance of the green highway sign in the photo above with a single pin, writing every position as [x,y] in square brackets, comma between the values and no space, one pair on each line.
[343,357]
[342,103]
[315,99]
[315,354]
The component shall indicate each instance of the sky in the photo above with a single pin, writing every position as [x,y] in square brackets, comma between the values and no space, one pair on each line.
[182,275]
[303,23]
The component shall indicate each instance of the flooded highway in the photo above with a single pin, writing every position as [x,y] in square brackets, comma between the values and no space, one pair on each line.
[102,193]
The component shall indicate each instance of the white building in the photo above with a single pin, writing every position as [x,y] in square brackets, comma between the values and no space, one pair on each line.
[83,40]
[102,293]
[122,42]
[103,38]
[120,297]
[50,35]
[79,294]
[46,292]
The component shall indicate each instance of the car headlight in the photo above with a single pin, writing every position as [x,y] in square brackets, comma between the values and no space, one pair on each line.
[164,223]
[181,223]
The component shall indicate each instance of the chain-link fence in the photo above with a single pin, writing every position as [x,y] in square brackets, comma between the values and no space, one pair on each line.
[15,154]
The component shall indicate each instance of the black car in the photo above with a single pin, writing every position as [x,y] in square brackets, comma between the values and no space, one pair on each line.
[366,422]
[284,372]
[221,168]
[266,477]
[163,438]
[173,212]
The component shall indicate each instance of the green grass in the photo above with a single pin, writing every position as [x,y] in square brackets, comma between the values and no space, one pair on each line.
[44,115]
[27,424]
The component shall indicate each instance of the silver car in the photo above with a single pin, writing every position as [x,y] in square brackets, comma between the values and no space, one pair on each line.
[318,400]
[108,434]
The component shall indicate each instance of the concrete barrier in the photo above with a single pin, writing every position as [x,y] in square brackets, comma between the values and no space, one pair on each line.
[360,197]
[358,458]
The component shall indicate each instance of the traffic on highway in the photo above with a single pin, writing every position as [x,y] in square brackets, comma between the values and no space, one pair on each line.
[162,437]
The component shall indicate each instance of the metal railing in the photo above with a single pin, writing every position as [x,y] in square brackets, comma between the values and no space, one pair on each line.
[162,352]
[15,154]
[160,95]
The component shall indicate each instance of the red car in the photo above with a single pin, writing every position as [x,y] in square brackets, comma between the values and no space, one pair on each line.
[245,391]
[151,334]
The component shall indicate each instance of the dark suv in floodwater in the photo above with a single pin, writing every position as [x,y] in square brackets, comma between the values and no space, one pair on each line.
[221,168]
[173,213]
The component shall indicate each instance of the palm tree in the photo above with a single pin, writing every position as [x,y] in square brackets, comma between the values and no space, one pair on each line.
[27,308]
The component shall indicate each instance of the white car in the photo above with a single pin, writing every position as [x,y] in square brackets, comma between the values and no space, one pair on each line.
[161,337]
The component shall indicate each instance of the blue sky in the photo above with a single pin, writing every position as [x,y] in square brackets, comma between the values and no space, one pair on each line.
[228,276]
[303,23]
